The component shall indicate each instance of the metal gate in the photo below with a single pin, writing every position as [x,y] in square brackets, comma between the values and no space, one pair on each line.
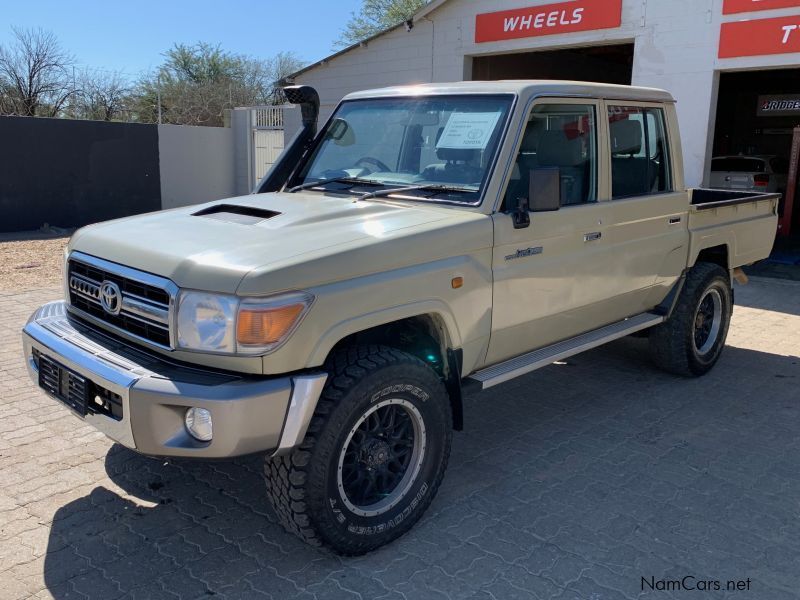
[267,122]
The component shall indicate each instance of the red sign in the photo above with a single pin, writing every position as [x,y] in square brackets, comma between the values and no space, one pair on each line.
[759,37]
[548,19]
[741,6]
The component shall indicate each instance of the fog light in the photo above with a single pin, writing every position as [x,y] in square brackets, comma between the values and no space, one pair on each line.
[198,424]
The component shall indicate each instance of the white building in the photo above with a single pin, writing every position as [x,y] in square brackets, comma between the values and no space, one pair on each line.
[723,60]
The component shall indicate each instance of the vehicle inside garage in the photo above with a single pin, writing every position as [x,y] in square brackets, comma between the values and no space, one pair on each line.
[604,64]
[757,116]
[744,125]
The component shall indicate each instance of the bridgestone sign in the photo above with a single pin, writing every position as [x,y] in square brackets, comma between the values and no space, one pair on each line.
[779,106]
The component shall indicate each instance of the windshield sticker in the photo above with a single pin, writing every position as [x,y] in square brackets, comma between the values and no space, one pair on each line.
[468,130]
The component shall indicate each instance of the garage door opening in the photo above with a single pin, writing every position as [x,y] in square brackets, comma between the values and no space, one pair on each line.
[603,64]
[757,113]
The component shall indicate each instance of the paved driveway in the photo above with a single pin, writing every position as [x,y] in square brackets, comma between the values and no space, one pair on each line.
[575,482]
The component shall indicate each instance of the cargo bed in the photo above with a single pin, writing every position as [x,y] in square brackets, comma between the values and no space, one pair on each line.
[745,222]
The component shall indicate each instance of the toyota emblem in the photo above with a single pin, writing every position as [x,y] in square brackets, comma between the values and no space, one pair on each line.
[110,297]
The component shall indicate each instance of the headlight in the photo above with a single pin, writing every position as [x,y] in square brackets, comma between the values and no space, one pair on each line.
[230,325]
[206,322]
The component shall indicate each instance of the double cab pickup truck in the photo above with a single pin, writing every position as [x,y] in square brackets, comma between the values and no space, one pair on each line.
[426,240]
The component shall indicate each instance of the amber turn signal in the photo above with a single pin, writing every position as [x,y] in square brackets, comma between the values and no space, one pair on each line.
[260,326]
[457,282]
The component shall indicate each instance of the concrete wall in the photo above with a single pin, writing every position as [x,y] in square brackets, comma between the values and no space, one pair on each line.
[675,48]
[197,164]
[242,128]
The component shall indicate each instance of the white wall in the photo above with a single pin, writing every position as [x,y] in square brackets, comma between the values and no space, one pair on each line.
[398,57]
[242,128]
[197,164]
[675,49]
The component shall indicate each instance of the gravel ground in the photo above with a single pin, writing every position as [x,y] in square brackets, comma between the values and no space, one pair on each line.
[30,260]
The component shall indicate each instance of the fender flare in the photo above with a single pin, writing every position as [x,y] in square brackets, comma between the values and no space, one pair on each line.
[716,241]
[339,331]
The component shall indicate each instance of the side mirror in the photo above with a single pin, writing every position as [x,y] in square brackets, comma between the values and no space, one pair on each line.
[544,189]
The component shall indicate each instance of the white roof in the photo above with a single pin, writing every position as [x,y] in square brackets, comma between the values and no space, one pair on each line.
[523,87]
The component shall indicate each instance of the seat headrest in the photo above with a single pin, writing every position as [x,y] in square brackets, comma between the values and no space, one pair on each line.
[557,150]
[626,137]
[461,154]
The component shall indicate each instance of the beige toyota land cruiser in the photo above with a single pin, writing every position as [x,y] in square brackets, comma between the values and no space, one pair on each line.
[426,237]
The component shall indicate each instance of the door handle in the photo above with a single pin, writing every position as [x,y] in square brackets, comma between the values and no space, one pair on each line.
[591,237]
[674,220]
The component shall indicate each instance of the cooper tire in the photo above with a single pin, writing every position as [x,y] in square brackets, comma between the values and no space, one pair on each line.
[691,341]
[374,455]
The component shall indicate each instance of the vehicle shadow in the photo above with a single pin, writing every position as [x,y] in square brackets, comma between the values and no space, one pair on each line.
[553,459]
[175,527]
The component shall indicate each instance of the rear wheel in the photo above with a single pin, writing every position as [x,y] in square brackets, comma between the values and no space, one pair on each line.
[690,342]
[374,455]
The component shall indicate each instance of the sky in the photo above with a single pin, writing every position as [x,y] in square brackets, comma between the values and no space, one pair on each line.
[130,37]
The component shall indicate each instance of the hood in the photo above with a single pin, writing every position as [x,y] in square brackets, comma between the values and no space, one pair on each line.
[265,243]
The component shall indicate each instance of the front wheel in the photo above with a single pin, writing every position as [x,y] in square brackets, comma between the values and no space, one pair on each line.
[690,342]
[374,455]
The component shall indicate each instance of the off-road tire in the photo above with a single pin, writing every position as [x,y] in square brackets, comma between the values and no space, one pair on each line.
[303,487]
[673,345]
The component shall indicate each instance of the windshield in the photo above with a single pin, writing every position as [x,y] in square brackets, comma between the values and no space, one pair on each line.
[446,142]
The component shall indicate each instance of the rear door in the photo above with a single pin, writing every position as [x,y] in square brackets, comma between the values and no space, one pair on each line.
[649,233]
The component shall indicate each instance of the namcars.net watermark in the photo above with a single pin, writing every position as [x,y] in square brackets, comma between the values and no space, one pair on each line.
[690,583]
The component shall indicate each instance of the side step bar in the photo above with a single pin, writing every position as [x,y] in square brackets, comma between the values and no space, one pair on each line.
[525,363]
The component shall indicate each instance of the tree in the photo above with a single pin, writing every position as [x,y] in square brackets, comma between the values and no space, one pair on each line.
[100,95]
[279,68]
[35,74]
[196,83]
[376,16]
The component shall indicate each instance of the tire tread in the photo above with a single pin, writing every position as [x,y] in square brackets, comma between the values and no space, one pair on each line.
[287,476]
[668,340]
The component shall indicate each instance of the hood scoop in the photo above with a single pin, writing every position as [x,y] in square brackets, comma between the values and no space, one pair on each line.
[242,215]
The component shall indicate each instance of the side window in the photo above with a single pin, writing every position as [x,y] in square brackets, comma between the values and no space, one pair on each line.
[639,157]
[562,136]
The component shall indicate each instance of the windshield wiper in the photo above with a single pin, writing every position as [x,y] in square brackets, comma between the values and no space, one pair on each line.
[319,182]
[434,187]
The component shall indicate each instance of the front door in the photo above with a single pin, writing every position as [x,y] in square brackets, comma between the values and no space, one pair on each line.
[551,279]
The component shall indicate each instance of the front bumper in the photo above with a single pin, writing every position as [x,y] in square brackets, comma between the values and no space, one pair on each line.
[151,394]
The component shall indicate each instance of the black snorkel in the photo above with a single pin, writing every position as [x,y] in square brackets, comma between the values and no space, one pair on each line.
[308,99]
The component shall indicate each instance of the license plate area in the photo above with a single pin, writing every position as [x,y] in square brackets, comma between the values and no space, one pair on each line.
[58,381]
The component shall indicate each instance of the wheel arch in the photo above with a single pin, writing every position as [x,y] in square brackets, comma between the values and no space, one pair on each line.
[430,335]
[717,254]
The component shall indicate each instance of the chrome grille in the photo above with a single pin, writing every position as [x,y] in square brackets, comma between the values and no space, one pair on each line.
[142,309]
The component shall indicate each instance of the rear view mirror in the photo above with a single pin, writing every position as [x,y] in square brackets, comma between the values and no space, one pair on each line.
[544,189]
[341,133]
[429,118]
